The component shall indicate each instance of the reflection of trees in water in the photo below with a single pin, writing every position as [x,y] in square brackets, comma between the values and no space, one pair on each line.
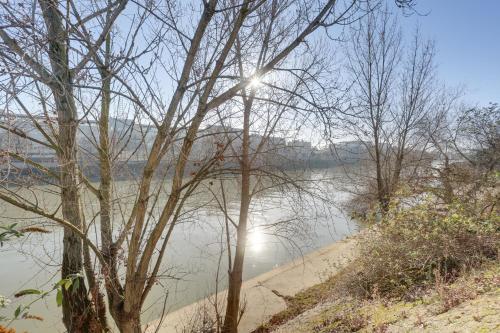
[277,234]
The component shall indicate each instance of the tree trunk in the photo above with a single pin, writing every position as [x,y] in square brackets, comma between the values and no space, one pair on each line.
[236,274]
[445,175]
[78,312]
[382,195]
[129,323]
[112,283]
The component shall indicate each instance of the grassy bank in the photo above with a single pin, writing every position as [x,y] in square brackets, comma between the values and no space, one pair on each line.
[423,267]
[469,304]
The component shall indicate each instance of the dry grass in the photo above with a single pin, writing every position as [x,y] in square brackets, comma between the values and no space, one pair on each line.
[413,247]
[303,301]
[411,253]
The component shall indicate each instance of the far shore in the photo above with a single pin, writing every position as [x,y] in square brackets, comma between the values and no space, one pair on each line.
[265,294]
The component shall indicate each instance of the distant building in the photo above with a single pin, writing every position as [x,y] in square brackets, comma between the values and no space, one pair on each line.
[349,151]
[299,150]
[131,143]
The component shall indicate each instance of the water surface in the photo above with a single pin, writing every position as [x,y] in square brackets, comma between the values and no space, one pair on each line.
[283,227]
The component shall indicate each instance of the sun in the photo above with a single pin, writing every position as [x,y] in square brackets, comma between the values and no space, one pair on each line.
[255,82]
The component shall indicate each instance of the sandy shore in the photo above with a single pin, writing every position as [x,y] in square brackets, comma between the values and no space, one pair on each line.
[258,293]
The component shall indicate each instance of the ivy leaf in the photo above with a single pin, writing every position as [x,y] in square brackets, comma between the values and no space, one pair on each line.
[59,297]
[28,292]
[17,312]
[67,284]
[60,283]
[76,284]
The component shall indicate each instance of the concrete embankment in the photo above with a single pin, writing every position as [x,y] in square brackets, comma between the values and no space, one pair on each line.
[264,295]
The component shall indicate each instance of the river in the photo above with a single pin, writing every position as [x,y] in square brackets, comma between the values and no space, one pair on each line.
[193,255]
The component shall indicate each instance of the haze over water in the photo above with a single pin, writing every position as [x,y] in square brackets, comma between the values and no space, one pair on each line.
[194,253]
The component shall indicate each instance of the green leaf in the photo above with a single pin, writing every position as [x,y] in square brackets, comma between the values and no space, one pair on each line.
[17,312]
[59,297]
[59,283]
[67,284]
[28,292]
[76,284]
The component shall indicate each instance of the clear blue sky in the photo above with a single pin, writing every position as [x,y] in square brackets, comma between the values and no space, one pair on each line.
[467,35]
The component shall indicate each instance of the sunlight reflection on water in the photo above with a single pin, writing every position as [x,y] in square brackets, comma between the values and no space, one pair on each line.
[192,255]
[256,240]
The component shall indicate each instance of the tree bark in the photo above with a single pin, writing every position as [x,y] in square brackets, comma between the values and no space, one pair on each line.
[382,195]
[236,274]
[78,311]
[129,322]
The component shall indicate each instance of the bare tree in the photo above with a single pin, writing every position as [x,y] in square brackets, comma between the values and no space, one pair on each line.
[439,133]
[267,106]
[54,57]
[390,101]
[464,141]
[477,138]
[47,62]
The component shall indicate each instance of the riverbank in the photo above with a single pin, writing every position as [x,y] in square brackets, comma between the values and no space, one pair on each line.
[266,294]
[424,268]
[470,304]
